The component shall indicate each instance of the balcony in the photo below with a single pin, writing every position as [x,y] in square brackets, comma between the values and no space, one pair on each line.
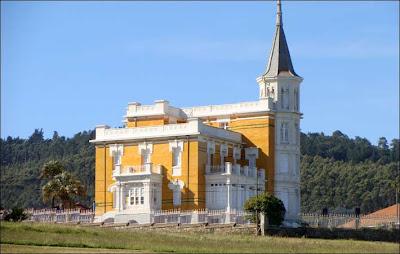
[236,169]
[145,169]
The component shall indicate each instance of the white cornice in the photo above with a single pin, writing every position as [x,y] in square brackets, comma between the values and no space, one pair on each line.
[193,127]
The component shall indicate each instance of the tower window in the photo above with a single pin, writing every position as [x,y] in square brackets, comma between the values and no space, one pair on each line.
[284,133]
[296,99]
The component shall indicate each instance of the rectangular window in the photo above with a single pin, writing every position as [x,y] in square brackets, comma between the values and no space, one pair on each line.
[132,197]
[141,196]
[176,161]
[284,133]
[117,160]
[176,157]
[146,159]
[136,196]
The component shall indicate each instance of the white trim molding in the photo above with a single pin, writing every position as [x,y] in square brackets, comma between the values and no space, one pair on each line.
[145,147]
[116,150]
[193,127]
[175,144]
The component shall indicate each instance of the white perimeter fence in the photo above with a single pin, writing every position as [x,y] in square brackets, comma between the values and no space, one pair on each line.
[350,221]
[166,216]
[219,216]
[61,216]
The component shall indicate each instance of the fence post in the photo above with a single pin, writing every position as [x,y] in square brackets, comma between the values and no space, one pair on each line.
[357,222]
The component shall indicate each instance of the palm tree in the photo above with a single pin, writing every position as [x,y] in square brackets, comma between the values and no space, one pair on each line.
[51,191]
[51,169]
[62,185]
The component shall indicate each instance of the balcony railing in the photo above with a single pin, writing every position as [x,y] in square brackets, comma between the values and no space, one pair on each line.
[215,169]
[145,169]
[235,169]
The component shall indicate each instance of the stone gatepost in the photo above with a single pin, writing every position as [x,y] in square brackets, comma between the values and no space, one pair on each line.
[263,224]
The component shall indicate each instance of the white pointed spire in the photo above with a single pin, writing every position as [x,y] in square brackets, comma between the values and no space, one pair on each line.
[278,13]
[279,59]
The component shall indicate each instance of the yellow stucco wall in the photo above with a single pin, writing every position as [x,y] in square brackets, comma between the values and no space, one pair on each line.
[145,122]
[192,174]
[103,179]
[259,132]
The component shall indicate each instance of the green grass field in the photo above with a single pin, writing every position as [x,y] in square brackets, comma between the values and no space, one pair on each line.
[42,238]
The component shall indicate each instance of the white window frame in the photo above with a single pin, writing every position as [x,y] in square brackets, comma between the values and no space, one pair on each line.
[136,196]
[177,158]
[284,133]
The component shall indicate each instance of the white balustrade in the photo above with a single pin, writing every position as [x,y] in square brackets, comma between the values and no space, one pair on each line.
[215,169]
[245,170]
[161,107]
[227,109]
[236,169]
[144,169]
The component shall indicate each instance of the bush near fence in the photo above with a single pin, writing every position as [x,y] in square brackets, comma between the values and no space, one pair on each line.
[367,234]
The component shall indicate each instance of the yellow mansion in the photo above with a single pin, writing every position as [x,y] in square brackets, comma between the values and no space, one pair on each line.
[209,157]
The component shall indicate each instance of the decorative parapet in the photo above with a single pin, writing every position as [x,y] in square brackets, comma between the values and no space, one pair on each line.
[146,169]
[160,107]
[192,127]
[229,109]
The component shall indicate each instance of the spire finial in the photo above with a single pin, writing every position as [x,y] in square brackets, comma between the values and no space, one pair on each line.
[278,13]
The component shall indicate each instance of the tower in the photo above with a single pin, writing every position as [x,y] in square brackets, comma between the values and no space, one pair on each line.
[280,82]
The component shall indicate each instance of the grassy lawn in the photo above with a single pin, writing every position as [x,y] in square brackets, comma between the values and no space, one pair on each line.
[14,248]
[15,236]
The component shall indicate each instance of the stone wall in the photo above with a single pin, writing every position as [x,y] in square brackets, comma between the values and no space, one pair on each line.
[367,234]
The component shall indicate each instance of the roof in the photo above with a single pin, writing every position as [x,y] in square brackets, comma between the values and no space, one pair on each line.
[385,216]
[279,62]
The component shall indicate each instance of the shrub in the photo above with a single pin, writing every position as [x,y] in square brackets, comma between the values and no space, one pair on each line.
[269,205]
[17,214]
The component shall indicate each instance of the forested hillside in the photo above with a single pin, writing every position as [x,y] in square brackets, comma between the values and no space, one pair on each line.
[22,160]
[337,172]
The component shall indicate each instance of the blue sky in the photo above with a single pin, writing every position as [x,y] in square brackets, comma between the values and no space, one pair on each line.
[68,66]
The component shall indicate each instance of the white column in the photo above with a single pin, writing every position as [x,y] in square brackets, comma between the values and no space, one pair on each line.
[117,198]
[229,195]
[146,187]
[223,153]
[228,202]
[246,194]
[122,199]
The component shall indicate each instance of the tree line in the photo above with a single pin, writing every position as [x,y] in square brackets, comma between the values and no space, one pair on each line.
[337,172]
